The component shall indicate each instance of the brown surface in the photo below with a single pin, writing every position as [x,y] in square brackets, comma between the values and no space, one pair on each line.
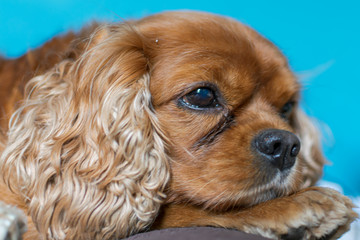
[195,233]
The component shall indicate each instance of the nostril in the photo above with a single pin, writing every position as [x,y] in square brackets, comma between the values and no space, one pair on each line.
[295,150]
[277,147]
[268,145]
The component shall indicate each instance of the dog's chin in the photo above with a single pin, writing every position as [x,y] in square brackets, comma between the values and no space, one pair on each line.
[278,183]
[282,183]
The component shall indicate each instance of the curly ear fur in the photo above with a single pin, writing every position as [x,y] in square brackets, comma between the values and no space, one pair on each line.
[85,149]
[310,153]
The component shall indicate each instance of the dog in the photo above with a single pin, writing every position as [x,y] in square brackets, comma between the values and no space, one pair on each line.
[177,119]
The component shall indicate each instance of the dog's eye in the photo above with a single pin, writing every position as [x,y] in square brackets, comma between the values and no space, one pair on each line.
[200,98]
[287,109]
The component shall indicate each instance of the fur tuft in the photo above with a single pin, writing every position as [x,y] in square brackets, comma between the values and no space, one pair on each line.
[313,160]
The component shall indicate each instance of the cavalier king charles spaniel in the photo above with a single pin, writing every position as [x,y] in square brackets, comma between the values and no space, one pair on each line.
[178,119]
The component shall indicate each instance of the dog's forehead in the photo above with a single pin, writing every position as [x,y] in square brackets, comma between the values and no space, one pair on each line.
[196,47]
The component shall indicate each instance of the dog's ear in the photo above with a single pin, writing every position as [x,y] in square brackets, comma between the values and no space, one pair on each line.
[312,159]
[85,149]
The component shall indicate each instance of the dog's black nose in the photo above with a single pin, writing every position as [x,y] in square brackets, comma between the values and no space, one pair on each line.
[279,147]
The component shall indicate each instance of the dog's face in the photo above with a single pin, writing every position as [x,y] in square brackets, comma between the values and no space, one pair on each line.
[193,105]
[227,101]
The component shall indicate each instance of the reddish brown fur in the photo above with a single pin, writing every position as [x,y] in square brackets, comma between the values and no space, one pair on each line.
[211,179]
[234,64]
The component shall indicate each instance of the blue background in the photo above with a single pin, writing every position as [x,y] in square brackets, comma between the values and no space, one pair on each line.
[320,38]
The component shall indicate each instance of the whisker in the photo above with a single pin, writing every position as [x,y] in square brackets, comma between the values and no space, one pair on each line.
[201,188]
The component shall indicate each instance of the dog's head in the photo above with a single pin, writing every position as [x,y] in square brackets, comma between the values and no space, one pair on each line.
[196,106]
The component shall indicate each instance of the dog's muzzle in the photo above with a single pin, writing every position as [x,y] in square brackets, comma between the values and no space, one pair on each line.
[279,147]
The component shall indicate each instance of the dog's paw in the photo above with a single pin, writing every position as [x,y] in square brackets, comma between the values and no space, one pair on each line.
[316,213]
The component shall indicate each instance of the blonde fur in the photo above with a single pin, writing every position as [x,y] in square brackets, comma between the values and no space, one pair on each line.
[85,149]
[313,162]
